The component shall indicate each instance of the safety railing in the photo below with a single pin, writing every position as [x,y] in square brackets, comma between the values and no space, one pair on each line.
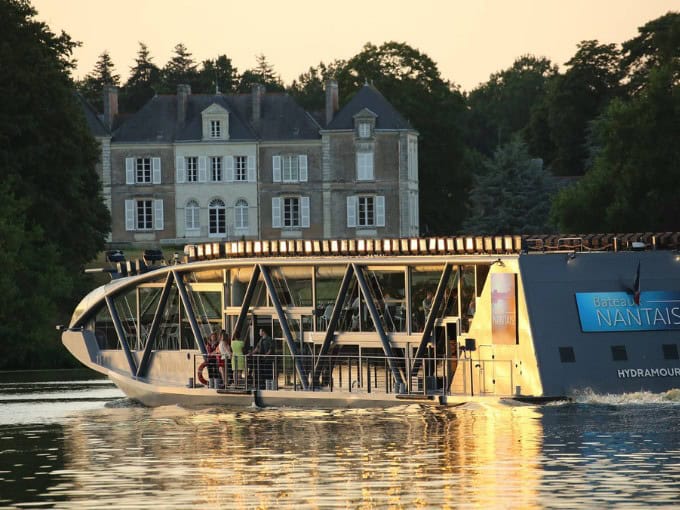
[356,374]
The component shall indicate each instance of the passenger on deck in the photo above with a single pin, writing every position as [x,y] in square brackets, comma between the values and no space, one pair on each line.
[225,352]
[263,362]
[238,359]
[211,347]
[427,303]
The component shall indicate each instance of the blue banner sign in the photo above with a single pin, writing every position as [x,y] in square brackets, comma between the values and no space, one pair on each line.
[617,311]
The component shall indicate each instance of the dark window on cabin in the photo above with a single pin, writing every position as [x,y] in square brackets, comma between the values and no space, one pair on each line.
[567,355]
[670,351]
[619,353]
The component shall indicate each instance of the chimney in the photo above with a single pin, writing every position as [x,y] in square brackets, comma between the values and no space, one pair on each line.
[332,101]
[257,92]
[183,93]
[110,93]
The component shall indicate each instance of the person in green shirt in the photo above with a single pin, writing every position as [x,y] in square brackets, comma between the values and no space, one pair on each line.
[238,359]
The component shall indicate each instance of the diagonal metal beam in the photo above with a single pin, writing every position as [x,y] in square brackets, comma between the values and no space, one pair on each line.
[330,328]
[189,310]
[373,312]
[155,324]
[252,284]
[429,322]
[284,326]
[120,332]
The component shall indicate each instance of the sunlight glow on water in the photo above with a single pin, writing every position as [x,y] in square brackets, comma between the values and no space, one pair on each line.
[597,452]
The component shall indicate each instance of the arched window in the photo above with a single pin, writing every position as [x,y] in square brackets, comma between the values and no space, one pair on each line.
[191,215]
[241,215]
[217,214]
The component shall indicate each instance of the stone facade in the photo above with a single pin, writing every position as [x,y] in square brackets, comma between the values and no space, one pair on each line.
[193,168]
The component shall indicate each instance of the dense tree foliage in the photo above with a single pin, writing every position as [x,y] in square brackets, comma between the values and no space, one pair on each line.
[52,217]
[142,83]
[103,74]
[510,193]
[635,175]
[263,73]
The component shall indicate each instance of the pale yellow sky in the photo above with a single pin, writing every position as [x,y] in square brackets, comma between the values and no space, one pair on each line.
[468,40]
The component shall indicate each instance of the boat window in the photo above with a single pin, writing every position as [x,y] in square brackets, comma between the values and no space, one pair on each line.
[239,278]
[387,288]
[619,353]
[169,335]
[126,306]
[670,351]
[328,281]
[468,296]
[104,330]
[482,273]
[424,280]
[293,285]
[567,355]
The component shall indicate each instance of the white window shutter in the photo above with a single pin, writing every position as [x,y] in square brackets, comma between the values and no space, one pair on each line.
[158,215]
[276,168]
[202,169]
[129,215]
[276,212]
[156,167]
[304,212]
[229,168]
[251,169]
[352,211]
[380,211]
[129,170]
[302,161]
[181,171]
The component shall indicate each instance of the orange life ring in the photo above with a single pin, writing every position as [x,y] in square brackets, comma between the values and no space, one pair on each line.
[199,370]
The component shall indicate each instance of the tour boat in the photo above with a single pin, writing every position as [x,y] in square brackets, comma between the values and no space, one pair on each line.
[383,322]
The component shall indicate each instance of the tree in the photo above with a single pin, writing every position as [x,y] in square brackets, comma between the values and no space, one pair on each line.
[52,216]
[411,81]
[576,98]
[218,75]
[657,45]
[262,74]
[92,85]
[309,89]
[511,194]
[502,107]
[142,83]
[180,69]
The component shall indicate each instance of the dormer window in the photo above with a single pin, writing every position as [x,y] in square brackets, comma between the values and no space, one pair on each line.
[215,129]
[364,130]
[215,121]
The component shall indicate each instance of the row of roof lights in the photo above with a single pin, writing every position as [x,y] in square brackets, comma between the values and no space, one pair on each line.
[402,246]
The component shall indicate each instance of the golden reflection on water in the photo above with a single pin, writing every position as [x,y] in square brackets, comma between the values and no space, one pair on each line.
[405,457]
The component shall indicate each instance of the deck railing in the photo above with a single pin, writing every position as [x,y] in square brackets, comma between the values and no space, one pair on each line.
[359,374]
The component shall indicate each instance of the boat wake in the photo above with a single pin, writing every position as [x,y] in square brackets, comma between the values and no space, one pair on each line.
[642,397]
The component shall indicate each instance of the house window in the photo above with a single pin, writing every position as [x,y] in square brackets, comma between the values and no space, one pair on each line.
[290,168]
[191,213]
[240,168]
[192,169]
[144,215]
[241,215]
[365,212]
[365,166]
[291,212]
[143,170]
[216,169]
[619,353]
[215,129]
[218,218]
[364,130]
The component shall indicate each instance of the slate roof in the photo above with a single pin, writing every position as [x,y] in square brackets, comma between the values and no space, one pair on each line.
[369,97]
[281,119]
[97,127]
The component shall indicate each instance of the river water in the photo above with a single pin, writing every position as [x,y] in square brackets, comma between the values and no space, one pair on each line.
[70,440]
